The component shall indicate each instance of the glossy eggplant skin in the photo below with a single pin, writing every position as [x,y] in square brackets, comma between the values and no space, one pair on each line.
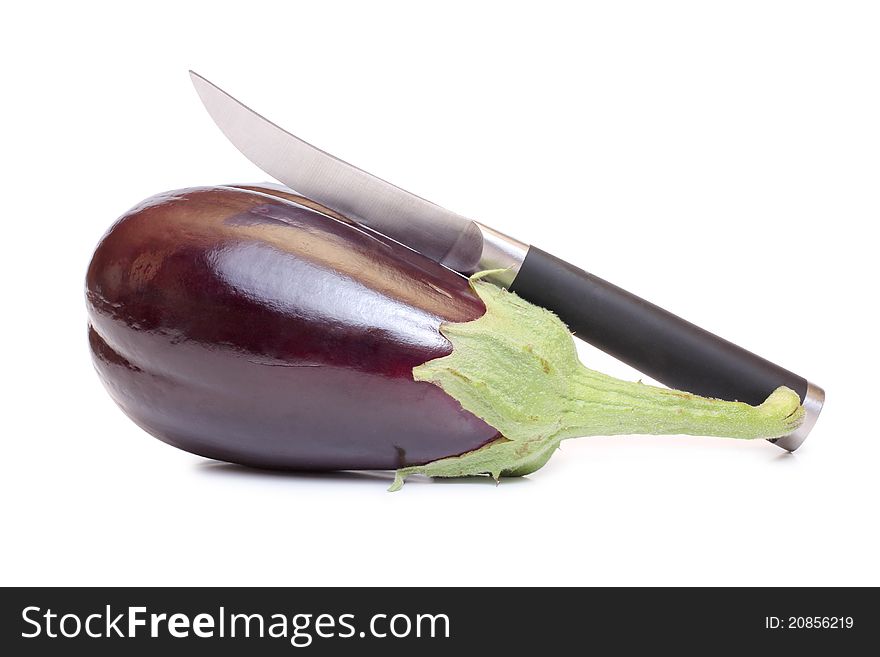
[250,325]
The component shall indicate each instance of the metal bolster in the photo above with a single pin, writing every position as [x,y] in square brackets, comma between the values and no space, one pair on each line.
[502,252]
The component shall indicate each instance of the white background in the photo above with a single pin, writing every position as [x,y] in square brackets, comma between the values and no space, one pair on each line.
[720,159]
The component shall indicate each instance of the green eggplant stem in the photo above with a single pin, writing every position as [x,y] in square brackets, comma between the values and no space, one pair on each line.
[517,368]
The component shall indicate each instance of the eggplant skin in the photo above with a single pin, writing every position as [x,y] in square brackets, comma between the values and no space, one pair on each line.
[250,325]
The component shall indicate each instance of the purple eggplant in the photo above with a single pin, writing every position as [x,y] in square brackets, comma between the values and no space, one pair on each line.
[252,325]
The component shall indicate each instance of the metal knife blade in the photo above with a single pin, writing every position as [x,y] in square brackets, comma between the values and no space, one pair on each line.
[440,234]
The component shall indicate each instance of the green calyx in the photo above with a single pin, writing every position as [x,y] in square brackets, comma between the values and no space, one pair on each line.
[516,367]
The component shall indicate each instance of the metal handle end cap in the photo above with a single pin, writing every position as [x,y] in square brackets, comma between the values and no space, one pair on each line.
[813,402]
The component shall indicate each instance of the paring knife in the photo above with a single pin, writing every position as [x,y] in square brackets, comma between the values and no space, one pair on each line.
[652,340]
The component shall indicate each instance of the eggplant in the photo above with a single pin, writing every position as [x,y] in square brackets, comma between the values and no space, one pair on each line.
[244,327]
[251,325]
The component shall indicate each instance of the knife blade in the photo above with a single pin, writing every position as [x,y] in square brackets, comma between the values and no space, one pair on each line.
[434,231]
[654,341]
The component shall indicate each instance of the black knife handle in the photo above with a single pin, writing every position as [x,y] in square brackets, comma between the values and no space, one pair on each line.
[652,340]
